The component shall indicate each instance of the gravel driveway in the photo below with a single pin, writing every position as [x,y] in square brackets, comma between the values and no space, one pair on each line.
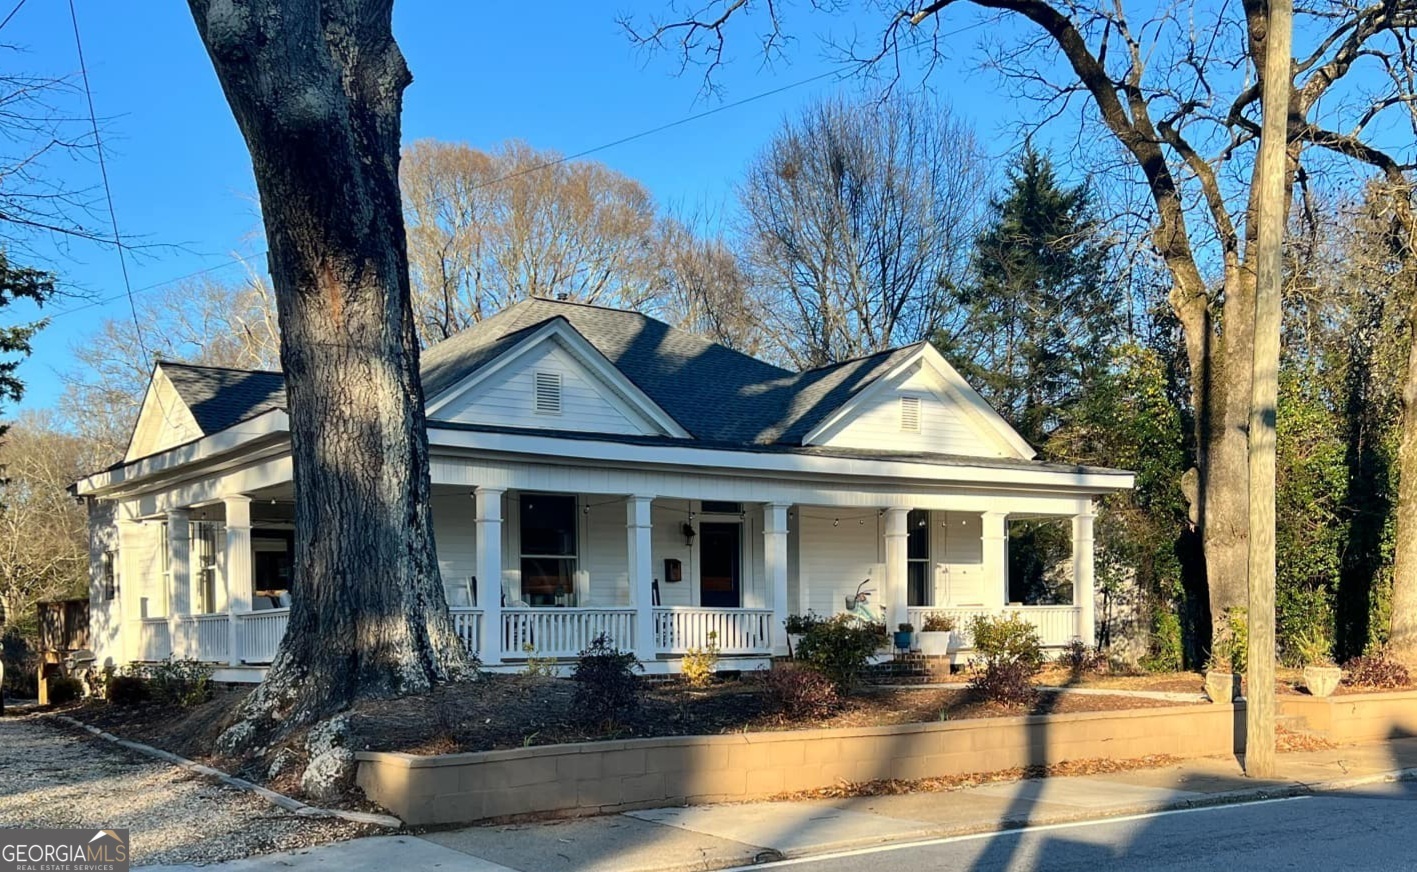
[51,776]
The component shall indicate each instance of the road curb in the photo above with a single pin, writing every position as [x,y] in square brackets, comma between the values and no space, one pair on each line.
[290,804]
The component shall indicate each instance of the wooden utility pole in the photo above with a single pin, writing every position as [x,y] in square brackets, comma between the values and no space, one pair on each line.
[1264,398]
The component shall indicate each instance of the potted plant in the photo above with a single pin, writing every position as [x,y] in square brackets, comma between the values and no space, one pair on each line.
[935,635]
[797,627]
[903,634]
[1226,660]
[1321,674]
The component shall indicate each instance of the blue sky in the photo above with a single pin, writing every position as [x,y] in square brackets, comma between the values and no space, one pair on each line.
[564,78]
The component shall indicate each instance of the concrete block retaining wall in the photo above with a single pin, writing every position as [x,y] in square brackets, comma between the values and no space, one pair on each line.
[600,777]
[1367,717]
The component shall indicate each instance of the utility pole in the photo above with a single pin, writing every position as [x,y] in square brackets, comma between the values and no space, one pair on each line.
[1264,398]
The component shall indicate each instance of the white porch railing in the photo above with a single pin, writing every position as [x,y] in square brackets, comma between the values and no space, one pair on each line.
[468,624]
[563,632]
[202,637]
[260,634]
[154,640]
[1057,625]
[737,631]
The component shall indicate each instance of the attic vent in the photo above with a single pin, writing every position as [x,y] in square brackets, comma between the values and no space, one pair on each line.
[548,393]
[910,414]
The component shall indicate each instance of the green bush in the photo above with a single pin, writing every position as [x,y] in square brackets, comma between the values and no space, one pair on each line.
[797,692]
[120,689]
[701,664]
[1007,654]
[181,682]
[1166,651]
[1229,650]
[798,625]
[21,664]
[64,689]
[607,688]
[841,647]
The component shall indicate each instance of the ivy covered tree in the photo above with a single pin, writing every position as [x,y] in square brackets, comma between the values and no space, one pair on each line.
[1041,314]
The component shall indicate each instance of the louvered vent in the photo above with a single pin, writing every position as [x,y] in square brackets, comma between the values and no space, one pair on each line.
[548,393]
[910,414]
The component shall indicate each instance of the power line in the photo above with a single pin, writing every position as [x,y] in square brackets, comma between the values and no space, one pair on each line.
[18,6]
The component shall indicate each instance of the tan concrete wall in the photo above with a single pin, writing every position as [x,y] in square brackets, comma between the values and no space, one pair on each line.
[1368,717]
[639,773]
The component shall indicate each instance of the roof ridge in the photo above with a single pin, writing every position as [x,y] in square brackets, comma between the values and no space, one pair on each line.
[867,356]
[182,364]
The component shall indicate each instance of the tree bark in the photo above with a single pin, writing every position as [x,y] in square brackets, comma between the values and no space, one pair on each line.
[1404,571]
[316,87]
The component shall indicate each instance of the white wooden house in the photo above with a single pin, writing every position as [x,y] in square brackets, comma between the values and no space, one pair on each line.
[597,470]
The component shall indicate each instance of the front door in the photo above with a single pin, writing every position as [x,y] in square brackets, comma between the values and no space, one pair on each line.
[720,557]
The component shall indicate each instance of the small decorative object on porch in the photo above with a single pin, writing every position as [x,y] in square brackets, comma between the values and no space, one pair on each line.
[904,633]
[1315,649]
[936,632]
[797,626]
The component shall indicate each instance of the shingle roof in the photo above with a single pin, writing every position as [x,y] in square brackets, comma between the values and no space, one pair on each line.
[719,395]
[219,397]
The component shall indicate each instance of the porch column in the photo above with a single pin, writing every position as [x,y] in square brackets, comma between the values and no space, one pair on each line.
[995,544]
[179,577]
[489,572]
[641,565]
[130,590]
[775,566]
[236,571]
[1084,594]
[896,595]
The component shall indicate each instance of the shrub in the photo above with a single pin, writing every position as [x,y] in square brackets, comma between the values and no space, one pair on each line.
[1375,670]
[21,664]
[798,625]
[700,664]
[1229,650]
[1313,645]
[798,692]
[1166,650]
[64,689]
[181,682]
[121,689]
[1007,654]
[607,689]
[537,667]
[841,647]
[1080,659]
[937,624]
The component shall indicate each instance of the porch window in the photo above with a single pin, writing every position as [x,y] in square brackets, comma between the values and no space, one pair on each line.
[548,549]
[919,591]
[272,566]
[108,580]
[204,564]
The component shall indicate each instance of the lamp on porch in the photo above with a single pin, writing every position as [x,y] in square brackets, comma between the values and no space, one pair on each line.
[689,534]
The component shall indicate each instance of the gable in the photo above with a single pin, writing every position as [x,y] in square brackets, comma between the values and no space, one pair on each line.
[550,384]
[921,406]
[164,420]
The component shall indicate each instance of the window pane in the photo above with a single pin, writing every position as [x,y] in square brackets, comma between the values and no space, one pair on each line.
[548,581]
[917,525]
[918,588]
[548,525]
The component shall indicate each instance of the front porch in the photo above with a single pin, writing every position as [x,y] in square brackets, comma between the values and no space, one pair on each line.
[658,575]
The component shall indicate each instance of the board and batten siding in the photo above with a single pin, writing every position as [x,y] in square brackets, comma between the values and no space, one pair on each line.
[944,427]
[507,398]
[605,552]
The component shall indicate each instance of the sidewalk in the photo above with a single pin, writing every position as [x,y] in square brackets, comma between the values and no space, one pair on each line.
[713,837]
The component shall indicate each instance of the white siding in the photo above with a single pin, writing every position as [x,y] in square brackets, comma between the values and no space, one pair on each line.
[668,517]
[833,560]
[945,427]
[164,421]
[605,552]
[957,550]
[142,567]
[587,402]
[455,530]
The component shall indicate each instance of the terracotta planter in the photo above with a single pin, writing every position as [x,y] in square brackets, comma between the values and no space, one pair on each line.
[1222,687]
[1322,680]
[934,644]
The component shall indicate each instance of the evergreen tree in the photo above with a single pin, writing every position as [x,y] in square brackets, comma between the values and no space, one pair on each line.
[18,283]
[1041,314]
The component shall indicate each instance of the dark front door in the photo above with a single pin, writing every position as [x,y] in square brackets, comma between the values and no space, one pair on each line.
[721,556]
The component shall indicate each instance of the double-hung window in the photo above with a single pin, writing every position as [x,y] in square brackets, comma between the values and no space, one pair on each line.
[204,538]
[919,590]
[548,549]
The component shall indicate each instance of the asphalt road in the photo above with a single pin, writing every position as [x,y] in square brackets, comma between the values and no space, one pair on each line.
[1371,828]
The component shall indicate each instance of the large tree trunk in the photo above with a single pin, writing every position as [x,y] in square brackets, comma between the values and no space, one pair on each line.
[316,87]
[1404,570]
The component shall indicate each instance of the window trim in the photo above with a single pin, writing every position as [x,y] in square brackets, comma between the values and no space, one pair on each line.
[575,539]
[912,517]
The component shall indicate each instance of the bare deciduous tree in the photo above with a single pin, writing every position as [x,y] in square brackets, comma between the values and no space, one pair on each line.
[486,229]
[204,321]
[703,286]
[858,219]
[317,91]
